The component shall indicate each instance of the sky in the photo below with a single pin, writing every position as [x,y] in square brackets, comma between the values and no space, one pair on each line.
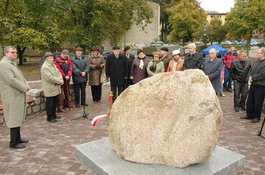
[217,5]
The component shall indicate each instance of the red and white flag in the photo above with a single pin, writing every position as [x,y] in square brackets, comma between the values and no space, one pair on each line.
[98,118]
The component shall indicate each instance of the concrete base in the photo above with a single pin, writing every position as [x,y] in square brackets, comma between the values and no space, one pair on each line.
[99,158]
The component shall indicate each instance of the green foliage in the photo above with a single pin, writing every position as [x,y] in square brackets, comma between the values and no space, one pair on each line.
[245,18]
[186,18]
[44,24]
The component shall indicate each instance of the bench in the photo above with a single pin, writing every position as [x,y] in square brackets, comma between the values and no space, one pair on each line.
[29,101]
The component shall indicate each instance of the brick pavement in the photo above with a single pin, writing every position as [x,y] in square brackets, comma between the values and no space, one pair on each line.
[50,150]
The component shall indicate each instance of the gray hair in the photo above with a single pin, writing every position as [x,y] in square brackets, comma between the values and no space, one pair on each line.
[213,49]
[242,51]
[7,48]
[262,50]
[192,45]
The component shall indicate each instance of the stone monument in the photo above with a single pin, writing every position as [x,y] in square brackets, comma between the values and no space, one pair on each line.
[171,118]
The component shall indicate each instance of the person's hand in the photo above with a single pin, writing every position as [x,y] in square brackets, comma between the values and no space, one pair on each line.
[28,88]
[67,77]
[250,79]
[61,83]
[131,77]
[98,66]
[83,74]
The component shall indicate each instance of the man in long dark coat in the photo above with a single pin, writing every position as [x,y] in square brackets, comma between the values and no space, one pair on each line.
[117,71]
[213,67]
[130,58]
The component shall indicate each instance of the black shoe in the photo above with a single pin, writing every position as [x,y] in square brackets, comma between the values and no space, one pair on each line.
[23,141]
[229,90]
[255,120]
[85,104]
[243,108]
[236,109]
[57,117]
[246,117]
[52,120]
[18,146]
[78,106]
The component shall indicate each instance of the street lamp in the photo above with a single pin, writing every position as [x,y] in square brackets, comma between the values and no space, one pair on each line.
[204,35]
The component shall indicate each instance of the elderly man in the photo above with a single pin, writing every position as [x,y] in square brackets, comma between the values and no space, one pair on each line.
[213,67]
[239,72]
[80,74]
[13,88]
[228,58]
[165,57]
[117,71]
[64,64]
[130,58]
[51,83]
[257,88]
[193,60]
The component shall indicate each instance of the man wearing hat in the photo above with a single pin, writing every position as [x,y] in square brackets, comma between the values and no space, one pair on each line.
[193,60]
[80,72]
[51,83]
[64,64]
[13,88]
[117,71]
[177,63]
[165,57]
[130,58]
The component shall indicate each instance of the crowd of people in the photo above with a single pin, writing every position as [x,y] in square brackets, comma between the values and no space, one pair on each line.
[124,70]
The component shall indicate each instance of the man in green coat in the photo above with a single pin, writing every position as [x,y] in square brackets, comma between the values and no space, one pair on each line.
[13,88]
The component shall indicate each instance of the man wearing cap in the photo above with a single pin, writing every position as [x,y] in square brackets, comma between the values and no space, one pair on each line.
[80,72]
[193,60]
[117,71]
[51,83]
[212,67]
[177,63]
[13,88]
[130,58]
[165,57]
[64,64]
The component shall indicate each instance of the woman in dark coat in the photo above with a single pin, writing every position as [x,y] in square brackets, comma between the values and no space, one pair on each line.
[138,70]
[96,63]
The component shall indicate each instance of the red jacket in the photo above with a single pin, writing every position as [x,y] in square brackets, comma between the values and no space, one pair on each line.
[228,58]
[64,66]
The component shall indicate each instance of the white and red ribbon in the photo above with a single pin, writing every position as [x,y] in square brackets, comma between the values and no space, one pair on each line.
[99,118]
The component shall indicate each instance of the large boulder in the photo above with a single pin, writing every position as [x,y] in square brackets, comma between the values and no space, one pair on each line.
[170,118]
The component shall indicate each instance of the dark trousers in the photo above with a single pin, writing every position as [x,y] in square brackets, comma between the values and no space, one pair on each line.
[227,79]
[66,90]
[255,101]
[114,91]
[128,82]
[240,94]
[51,104]
[14,136]
[77,88]
[96,92]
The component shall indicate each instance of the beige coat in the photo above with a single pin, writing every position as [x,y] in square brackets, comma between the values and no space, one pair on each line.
[51,79]
[13,88]
[95,74]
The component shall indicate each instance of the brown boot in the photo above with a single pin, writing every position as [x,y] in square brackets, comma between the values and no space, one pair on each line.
[60,103]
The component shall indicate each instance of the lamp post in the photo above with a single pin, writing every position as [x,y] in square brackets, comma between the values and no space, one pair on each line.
[204,35]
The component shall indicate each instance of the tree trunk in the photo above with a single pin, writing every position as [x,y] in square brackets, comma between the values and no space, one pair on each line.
[162,31]
[20,54]
[248,45]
